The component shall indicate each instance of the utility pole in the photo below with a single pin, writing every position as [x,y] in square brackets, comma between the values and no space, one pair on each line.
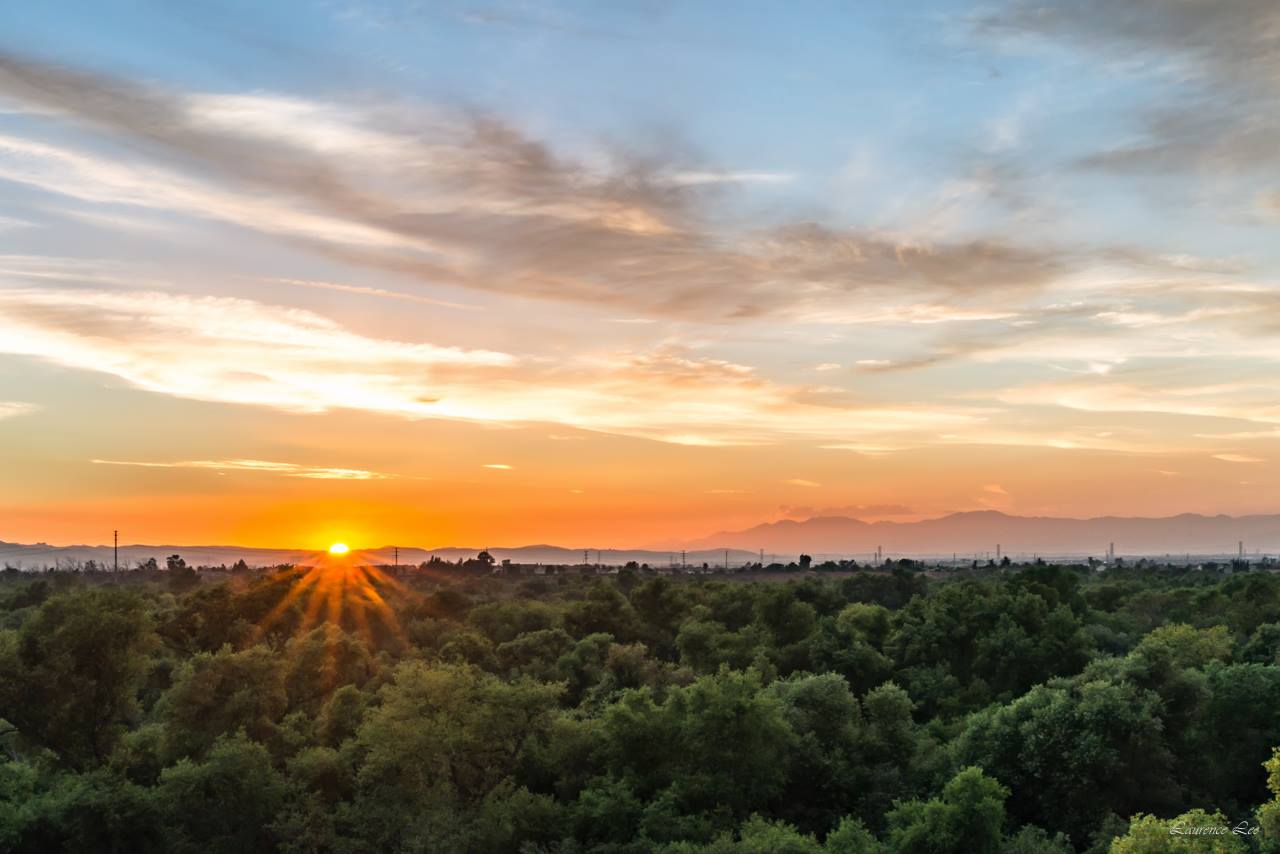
[115,551]
[683,562]
[726,560]
[997,552]
[397,566]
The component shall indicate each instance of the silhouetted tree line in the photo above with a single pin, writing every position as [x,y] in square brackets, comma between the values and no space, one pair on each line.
[1040,711]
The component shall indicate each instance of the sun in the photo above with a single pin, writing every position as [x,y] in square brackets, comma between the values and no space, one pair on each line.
[338,549]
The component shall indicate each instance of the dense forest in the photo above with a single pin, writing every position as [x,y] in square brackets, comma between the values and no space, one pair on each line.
[1026,710]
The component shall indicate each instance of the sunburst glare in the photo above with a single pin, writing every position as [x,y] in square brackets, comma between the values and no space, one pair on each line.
[339,586]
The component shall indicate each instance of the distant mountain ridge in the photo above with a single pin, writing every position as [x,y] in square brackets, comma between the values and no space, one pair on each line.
[967,533]
[38,555]
[980,531]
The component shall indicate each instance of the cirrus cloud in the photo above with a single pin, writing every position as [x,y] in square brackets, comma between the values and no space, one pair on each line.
[239,351]
[260,467]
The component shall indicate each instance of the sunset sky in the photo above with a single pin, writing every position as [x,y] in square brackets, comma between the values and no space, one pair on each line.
[628,273]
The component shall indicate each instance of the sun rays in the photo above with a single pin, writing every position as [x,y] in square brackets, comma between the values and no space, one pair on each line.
[339,587]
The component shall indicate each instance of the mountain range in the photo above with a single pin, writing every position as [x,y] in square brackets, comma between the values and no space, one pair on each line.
[974,533]
[38,555]
[979,532]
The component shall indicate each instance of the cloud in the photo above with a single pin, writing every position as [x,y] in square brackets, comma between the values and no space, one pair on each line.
[1221,59]
[12,409]
[799,481]
[259,466]
[1171,392]
[381,293]
[232,350]
[1238,458]
[501,466]
[8,223]
[995,489]
[472,201]
[692,178]
[443,196]
[228,350]
[1231,42]
[869,449]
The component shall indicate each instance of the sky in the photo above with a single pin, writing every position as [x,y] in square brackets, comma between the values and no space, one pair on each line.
[623,274]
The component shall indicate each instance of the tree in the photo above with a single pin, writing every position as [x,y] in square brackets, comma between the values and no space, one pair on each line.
[825,767]
[1074,751]
[69,676]
[181,576]
[482,562]
[1195,831]
[758,835]
[442,746]
[450,727]
[216,694]
[94,811]
[224,803]
[719,743]
[321,661]
[969,817]
[851,837]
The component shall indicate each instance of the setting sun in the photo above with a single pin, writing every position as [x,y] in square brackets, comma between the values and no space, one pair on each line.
[339,549]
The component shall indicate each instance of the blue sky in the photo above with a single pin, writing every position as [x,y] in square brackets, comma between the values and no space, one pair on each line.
[823,249]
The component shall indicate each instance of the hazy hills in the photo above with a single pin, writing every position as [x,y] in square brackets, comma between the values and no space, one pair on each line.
[41,555]
[962,533]
[980,531]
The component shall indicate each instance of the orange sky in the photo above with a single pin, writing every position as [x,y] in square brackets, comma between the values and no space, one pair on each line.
[459,296]
[373,480]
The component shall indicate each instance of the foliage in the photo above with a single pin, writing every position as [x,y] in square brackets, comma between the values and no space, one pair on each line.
[1034,710]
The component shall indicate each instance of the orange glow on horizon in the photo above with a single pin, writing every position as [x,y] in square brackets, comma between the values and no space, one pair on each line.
[341,588]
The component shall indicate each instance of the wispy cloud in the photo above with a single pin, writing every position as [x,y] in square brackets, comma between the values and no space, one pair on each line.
[12,409]
[8,223]
[259,466]
[246,352]
[226,349]
[1238,458]
[475,202]
[692,178]
[1219,59]
[364,290]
